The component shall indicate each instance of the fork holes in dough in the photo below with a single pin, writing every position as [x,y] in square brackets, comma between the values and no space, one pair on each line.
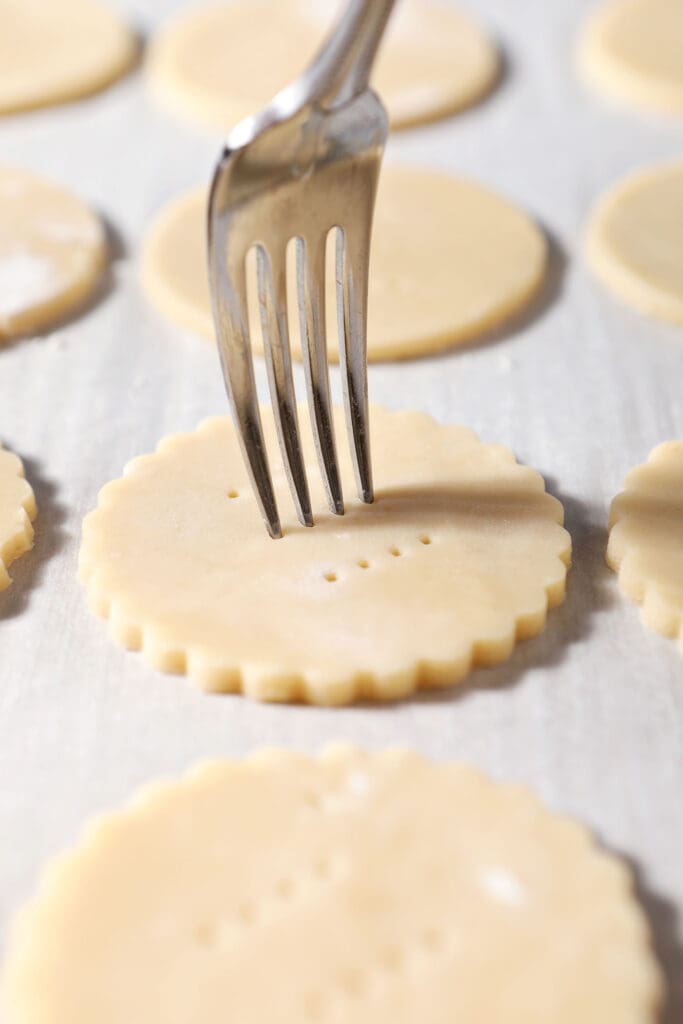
[353,983]
[432,940]
[363,563]
[395,552]
[233,494]
[314,1006]
[390,959]
[246,913]
[424,539]
[313,801]
[205,935]
[322,868]
[285,888]
[331,577]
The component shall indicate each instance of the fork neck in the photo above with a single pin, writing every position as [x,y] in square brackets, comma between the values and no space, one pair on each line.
[343,65]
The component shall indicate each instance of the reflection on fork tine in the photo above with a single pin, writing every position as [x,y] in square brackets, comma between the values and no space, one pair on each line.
[231,315]
[272,298]
[310,274]
[352,259]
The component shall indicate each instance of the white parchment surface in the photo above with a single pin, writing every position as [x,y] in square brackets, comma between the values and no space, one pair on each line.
[590,713]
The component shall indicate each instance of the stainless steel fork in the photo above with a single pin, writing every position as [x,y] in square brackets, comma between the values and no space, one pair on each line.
[305,166]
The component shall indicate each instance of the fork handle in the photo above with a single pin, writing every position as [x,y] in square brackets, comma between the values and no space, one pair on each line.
[342,68]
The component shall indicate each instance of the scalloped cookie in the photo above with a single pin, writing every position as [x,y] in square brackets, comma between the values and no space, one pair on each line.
[460,556]
[355,888]
[221,62]
[633,50]
[17,510]
[53,251]
[646,539]
[52,51]
[450,260]
[635,239]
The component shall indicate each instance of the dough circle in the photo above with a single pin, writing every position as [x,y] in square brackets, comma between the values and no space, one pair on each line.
[51,52]
[17,510]
[646,539]
[633,50]
[352,887]
[52,252]
[450,260]
[461,554]
[222,62]
[635,240]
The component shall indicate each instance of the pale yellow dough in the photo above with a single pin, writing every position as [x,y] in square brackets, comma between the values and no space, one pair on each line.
[352,888]
[57,50]
[53,251]
[646,539]
[450,259]
[633,50]
[635,241]
[221,62]
[460,556]
[17,510]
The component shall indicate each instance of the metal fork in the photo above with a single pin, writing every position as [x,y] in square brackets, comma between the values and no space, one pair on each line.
[306,165]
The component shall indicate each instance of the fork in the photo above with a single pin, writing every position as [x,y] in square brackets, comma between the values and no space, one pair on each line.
[303,168]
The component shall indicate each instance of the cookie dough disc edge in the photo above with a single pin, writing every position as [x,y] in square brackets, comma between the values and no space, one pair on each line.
[178,97]
[170,304]
[406,115]
[152,796]
[129,49]
[606,74]
[270,686]
[49,314]
[627,285]
[22,540]
[655,613]
[186,315]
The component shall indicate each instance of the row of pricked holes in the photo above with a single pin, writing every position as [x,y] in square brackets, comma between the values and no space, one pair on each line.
[354,984]
[247,913]
[363,563]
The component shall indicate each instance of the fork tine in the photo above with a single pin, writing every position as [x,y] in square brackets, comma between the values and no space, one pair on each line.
[272,291]
[352,261]
[310,261]
[229,294]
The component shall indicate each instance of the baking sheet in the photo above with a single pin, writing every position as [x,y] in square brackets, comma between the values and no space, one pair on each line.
[590,713]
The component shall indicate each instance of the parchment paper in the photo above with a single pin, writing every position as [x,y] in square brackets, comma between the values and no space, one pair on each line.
[590,713]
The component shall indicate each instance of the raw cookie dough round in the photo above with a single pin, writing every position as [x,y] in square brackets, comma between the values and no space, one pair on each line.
[17,510]
[52,252]
[646,539]
[633,50]
[222,62]
[635,241]
[461,555]
[450,260]
[357,888]
[59,50]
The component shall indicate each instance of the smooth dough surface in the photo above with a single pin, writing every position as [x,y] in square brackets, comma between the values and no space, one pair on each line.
[461,554]
[52,51]
[635,241]
[355,888]
[53,251]
[646,539]
[17,510]
[222,62]
[633,50]
[450,260]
